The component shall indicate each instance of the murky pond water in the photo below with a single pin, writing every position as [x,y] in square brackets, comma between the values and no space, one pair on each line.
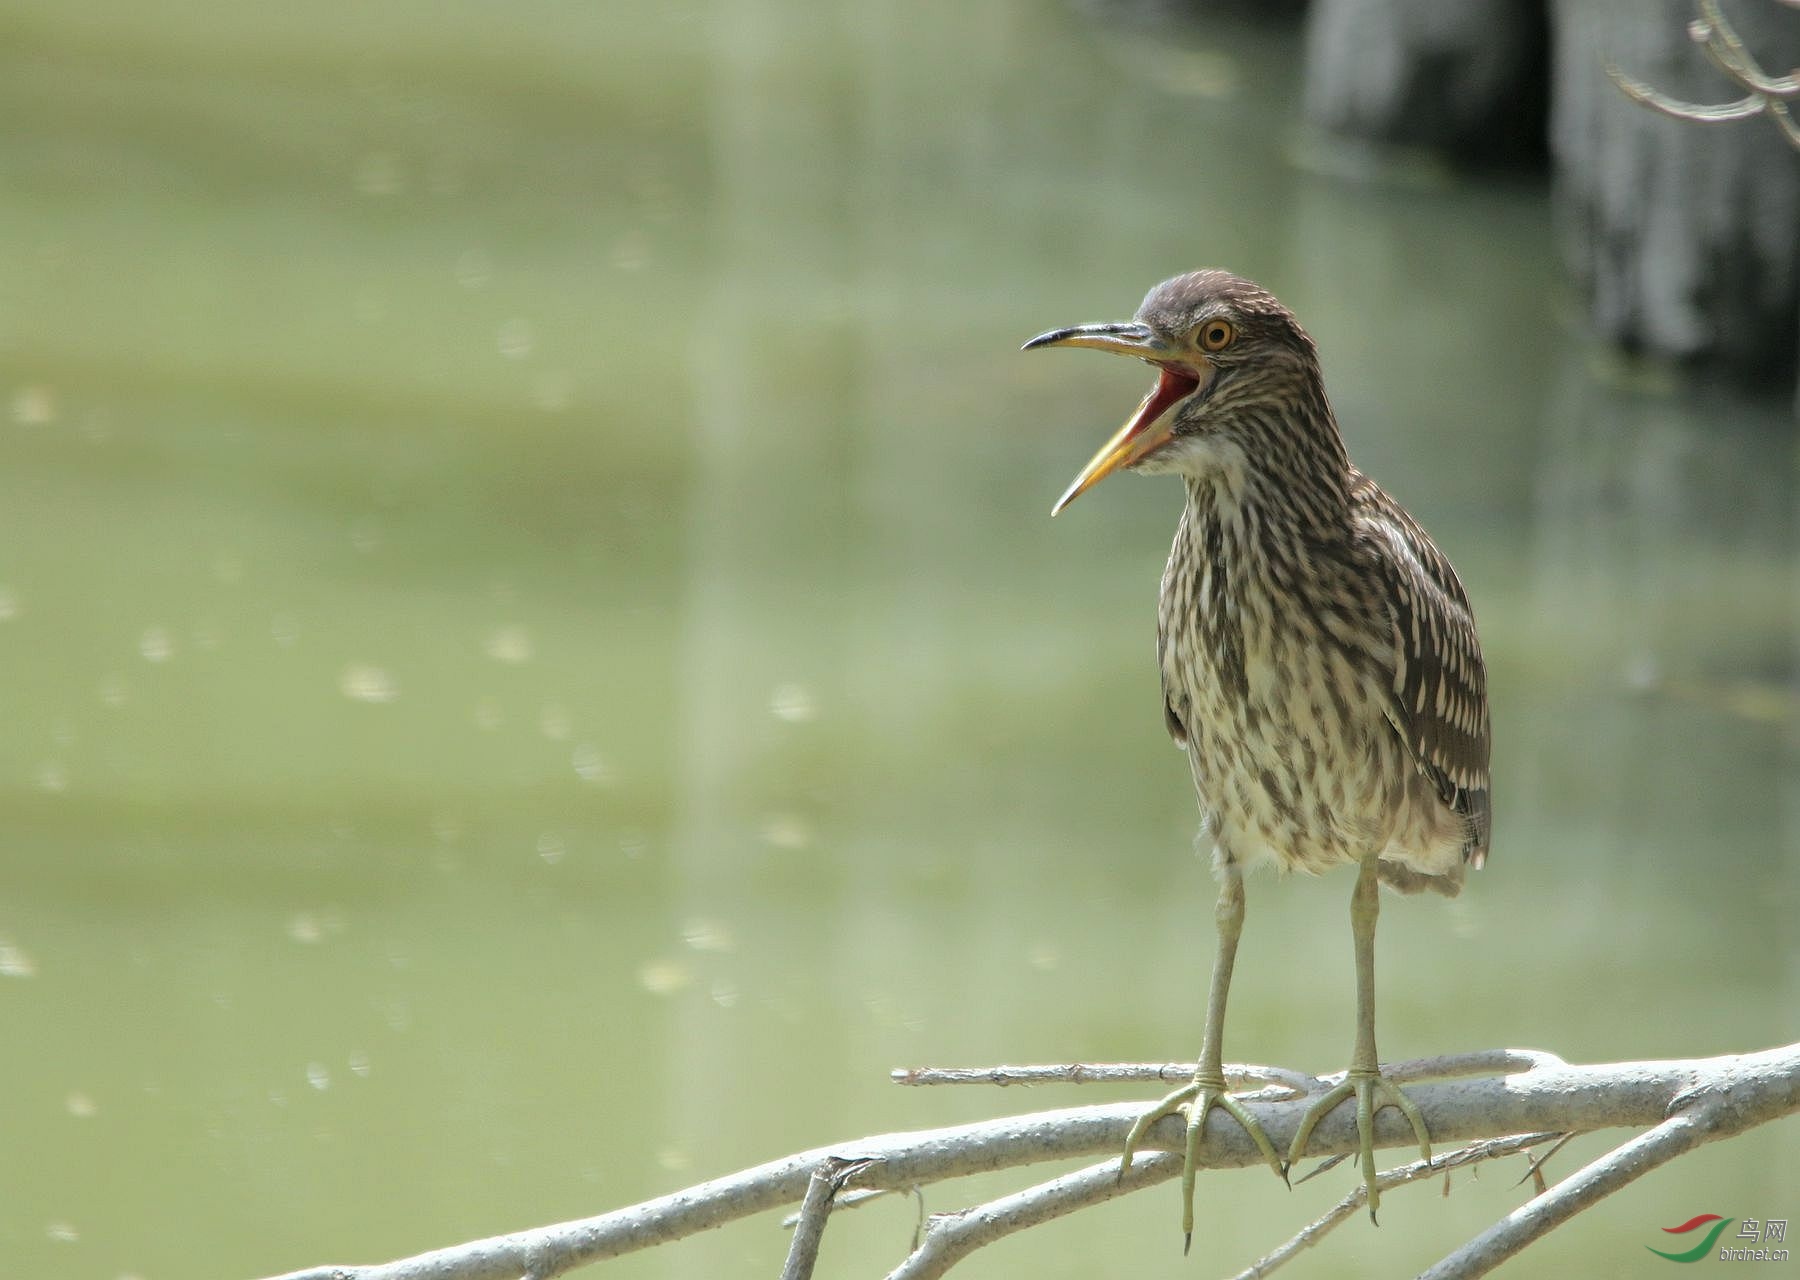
[537,668]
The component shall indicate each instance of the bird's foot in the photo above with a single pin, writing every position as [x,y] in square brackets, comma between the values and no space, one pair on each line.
[1193,1101]
[1372,1091]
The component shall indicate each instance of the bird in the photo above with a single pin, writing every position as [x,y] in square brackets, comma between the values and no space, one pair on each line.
[1318,655]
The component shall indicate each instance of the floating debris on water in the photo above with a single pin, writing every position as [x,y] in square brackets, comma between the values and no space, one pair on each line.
[705,934]
[511,645]
[665,977]
[34,406]
[590,765]
[363,682]
[794,703]
[156,644]
[787,831]
[15,962]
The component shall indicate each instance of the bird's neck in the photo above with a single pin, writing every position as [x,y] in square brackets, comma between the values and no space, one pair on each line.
[1275,483]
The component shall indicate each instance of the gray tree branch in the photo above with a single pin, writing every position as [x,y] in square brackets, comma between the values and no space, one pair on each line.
[1688,1102]
[1713,1109]
[809,1229]
[1313,1232]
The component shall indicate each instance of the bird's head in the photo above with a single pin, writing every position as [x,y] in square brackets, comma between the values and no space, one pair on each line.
[1222,346]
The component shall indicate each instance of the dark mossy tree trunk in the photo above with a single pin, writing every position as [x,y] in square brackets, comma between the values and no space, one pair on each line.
[1684,237]
[1465,76]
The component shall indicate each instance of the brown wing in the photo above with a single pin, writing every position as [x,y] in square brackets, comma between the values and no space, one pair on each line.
[1167,593]
[1440,706]
[1172,723]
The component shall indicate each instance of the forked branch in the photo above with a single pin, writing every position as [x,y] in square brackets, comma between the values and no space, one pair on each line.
[1718,40]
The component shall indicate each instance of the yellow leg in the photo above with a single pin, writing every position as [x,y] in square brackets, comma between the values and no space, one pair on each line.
[1364,1080]
[1208,1088]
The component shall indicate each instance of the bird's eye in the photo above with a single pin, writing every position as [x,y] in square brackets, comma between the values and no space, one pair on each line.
[1216,335]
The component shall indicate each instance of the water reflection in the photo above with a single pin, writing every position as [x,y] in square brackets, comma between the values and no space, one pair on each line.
[531,602]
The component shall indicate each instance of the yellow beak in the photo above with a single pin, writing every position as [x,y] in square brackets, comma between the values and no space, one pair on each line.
[1145,431]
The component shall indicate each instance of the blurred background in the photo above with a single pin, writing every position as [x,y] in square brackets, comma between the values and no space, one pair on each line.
[537,668]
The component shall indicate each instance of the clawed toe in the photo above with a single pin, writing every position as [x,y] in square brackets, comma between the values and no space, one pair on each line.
[1194,1101]
[1372,1091]
[1142,1125]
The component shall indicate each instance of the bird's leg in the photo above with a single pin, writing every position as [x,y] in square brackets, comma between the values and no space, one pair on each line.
[1364,1080]
[1208,1088]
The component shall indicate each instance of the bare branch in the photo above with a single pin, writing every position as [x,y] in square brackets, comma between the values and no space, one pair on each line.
[1720,42]
[1725,49]
[1743,109]
[1101,1073]
[1346,1208]
[1535,1163]
[1785,118]
[821,1190]
[1482,1061]
[1712,1097]
[1702,1114]
[853,1199]
[950,1237]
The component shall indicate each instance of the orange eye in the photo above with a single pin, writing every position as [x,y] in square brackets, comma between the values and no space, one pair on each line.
[1216,335]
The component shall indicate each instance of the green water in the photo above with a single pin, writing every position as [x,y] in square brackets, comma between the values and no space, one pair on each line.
[537,668]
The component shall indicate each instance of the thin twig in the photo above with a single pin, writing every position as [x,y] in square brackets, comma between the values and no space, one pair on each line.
[852,1199]
[1725,49]
[1785,119]
[1719,40]
[951,1237]
[1100,1073]
[1534,1163]
[1443,1067]
[1700,113]
[1346,1208]
[1064,1073]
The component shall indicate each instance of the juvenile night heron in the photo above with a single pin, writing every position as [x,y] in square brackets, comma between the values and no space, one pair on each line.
[1319,659]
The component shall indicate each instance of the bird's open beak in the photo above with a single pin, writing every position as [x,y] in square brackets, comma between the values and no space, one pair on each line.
[1146,431]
